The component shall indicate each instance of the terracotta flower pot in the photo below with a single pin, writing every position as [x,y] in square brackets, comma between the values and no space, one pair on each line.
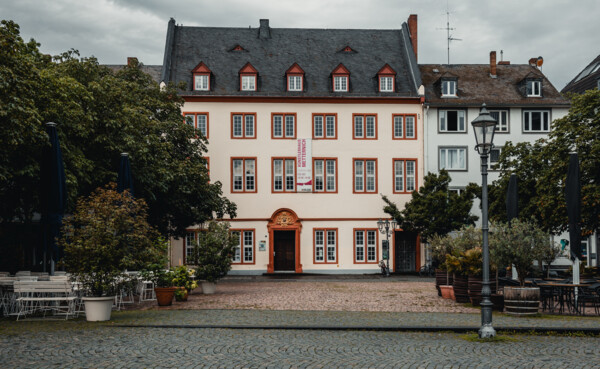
[164,295]
[447,292]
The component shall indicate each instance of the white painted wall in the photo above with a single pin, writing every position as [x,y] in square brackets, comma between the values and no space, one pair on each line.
[336,207]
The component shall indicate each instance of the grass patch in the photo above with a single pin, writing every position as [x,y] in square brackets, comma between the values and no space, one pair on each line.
[474,337]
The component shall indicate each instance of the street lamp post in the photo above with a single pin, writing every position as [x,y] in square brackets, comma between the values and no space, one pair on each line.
[484,127]
[384,227]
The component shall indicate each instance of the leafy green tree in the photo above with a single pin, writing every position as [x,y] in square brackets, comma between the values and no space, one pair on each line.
[107,234]
[214,251]
[434,209]
[542,169]
[101,114]
[22,136]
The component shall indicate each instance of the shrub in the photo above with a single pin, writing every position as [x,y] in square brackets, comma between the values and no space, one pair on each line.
[214,251]
[107,234]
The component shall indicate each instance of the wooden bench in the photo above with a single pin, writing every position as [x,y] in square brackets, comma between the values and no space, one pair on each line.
[44,296]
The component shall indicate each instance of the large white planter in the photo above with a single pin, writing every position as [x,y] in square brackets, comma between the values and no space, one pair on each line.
[208,288]
[98,309]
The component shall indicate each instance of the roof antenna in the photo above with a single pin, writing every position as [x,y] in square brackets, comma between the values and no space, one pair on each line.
[448,29]
[501,55]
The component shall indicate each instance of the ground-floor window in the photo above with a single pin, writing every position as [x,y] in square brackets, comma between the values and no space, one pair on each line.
[189,244]
[243,252]
[325,245]
[365,246]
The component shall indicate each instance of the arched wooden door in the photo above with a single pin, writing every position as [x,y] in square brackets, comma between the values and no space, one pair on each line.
[284,242]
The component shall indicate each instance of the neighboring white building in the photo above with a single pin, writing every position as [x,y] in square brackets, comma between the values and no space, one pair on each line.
[519,96]
[306,128]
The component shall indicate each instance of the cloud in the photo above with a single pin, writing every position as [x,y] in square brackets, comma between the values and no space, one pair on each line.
[563,32]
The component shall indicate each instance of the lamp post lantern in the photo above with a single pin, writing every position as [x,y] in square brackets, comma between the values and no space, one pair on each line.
[384,227]
[484,127]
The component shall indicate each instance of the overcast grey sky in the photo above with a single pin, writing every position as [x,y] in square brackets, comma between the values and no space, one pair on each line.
[564,32]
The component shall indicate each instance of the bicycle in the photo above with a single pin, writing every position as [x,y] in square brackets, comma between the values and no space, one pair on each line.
[385,271]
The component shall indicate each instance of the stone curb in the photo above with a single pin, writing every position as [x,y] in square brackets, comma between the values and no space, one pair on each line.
[455,329]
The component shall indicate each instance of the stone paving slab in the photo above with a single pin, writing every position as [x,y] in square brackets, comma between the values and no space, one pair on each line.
[107,347]
[344,320]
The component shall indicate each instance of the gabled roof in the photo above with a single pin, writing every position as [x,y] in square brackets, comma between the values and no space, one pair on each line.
[475,86]
[294,69]
[248,69]
[340,69]
[201,68]
[386,69]
[587,79]
[316,50]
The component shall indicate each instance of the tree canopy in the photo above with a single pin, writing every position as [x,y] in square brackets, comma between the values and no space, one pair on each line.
[434,209]
[99,114]
[541,168]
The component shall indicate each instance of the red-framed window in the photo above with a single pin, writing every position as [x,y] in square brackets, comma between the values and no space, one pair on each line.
[325,175]
[405,175]
[248,78]
[387,79]
[325,241]
[189,243]
[201,77]
[283,125]
[364,173]
[324,126]
[198,121]
[295,78]
[340,79]
[243,175]
[243,125]
[283,174]
[244,251]
[365,246]
[364,126]
[404,126]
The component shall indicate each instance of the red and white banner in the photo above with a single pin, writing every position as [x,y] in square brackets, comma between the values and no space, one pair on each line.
[304,165]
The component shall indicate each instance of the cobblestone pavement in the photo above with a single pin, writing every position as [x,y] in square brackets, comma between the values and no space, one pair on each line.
[318,319]
[110,347]
[399,294]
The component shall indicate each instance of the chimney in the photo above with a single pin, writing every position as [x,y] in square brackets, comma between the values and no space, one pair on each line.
[533,62]
[131,60]
[264,32]
[412,28]
[493,64]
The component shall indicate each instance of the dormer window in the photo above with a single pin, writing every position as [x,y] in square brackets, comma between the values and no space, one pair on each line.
[386,76]
[341,77]
[534,88]
[295,78]
[201,77]
[448,88]
[248,78]
[248,83]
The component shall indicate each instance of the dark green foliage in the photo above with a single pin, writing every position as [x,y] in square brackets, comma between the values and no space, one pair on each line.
[107,234]
[433,209]
[542,169]
[99,115]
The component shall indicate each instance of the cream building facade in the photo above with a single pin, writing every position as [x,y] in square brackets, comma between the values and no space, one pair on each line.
[306,129]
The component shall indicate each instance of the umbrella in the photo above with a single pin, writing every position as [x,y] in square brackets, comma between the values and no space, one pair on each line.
[53,195]
[573,196]
[512,210]
[125,179]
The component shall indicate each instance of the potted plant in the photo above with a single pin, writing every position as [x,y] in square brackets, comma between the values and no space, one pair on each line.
[440,247]
[164,285]
[183,279]
[519,244]
[106,235]
[213,252]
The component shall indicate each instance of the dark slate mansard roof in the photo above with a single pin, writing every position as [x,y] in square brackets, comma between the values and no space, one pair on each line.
[153,70]
[476,86]
[585,80]
[317,52]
